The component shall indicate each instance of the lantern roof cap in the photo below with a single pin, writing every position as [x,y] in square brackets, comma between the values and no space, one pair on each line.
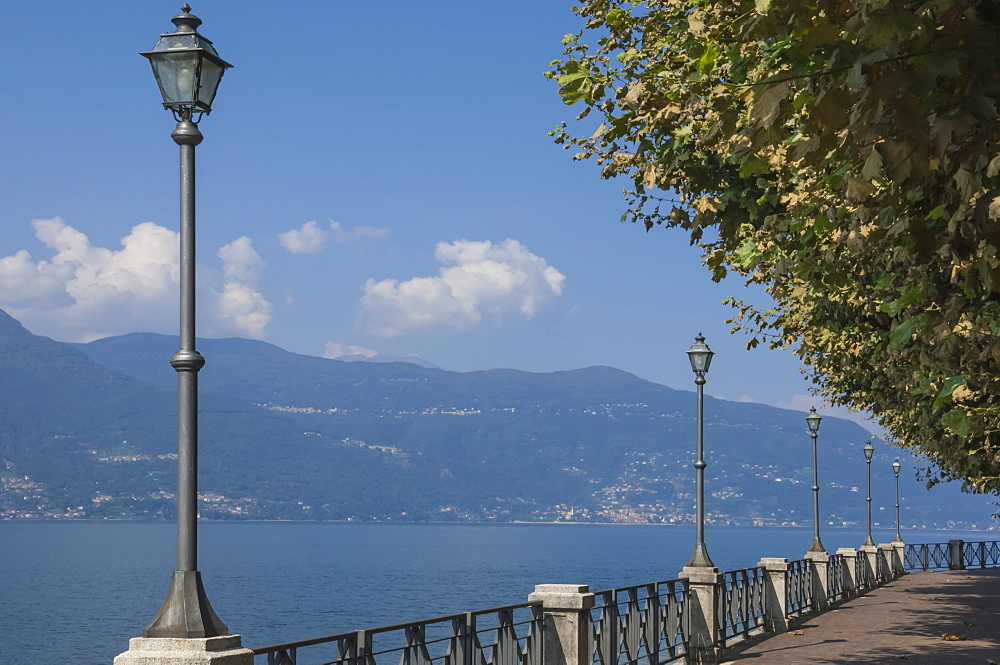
[186,21]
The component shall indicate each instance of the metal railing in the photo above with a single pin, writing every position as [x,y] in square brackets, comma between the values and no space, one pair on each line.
[741,603]
[508,635]
[798,583]
[646,624]
[835,578]
[985,554]
[883,572]
[953,555]
[926,556]
[864,576]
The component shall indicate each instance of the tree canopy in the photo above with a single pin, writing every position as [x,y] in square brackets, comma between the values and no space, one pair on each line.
[842,153]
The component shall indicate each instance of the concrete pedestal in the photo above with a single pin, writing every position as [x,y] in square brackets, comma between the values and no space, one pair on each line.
[224,650]
[704,638]
[567,625]
[899,552]
[820,581]
[775,593]
[850,582]
[869,554]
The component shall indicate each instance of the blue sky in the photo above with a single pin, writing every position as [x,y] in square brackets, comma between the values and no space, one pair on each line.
[375,177]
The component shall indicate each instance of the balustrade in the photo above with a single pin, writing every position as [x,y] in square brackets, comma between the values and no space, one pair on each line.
[742,609]
[646,624]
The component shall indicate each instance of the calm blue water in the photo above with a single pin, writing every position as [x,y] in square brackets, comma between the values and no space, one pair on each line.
[76,592]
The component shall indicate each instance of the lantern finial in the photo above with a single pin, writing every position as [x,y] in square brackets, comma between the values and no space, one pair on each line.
[186,21]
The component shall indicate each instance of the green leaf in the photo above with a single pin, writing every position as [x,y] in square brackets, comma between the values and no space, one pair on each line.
[762,6]
[936,213]
[944,396]
[892,308]
[706,63]
[753,167]
[957,420]
[746,254]
[904,332]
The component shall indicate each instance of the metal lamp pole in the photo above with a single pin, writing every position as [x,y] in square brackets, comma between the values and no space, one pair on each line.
[869,451]
[813,421]
[896,466]
[187,70]
[701,358]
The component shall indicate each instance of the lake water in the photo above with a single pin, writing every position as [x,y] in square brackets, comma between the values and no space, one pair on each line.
[76,592]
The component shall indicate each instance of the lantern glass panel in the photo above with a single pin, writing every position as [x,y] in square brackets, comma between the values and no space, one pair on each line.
[177,75]
[211,74]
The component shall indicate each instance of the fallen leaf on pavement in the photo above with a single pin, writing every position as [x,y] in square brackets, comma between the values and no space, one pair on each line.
[948,637]
[968,624]
[796,633]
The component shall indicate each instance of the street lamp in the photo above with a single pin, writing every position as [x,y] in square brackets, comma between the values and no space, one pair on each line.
[813,420]
[869,451]
[701,358]
[188,71]
[896,466]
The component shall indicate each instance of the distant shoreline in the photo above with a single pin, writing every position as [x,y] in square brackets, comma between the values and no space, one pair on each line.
[680,527]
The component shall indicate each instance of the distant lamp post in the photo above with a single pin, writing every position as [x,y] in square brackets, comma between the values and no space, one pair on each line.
[188,71]
[813,421]
[701,358]
[896,466]
[869,451]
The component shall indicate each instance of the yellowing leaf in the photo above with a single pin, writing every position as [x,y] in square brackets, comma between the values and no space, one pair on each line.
[766,103]
[873,165]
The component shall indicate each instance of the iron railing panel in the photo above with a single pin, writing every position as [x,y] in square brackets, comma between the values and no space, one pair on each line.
[741,603]
[646,624]
[835,578]
[927,556]
[508,635]
[798,583]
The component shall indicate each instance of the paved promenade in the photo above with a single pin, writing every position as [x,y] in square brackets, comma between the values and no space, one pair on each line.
[901,622]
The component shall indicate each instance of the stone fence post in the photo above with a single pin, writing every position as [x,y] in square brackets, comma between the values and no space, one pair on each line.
[775,593]
[899,557]
[956,555]
[885,553]
[566,608]
[820,582]
[849,557]
[705,633]
[868,554]
[223,650]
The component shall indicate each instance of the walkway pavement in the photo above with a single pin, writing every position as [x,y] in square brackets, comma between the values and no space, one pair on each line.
[905,621]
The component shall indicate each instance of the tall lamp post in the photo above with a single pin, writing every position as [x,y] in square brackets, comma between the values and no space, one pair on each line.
[188,71]
[869,451]
[813,421]
[896,466]
[701,358]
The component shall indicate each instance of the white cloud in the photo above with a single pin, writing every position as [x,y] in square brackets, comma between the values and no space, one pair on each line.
[307,240]
[82,292]
[348,236]
[502,281]
[310,238]
[336,350]
[380,233]
[240,261]
[246,309]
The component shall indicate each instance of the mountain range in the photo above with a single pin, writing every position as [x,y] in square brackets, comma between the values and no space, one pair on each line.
[89,431]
